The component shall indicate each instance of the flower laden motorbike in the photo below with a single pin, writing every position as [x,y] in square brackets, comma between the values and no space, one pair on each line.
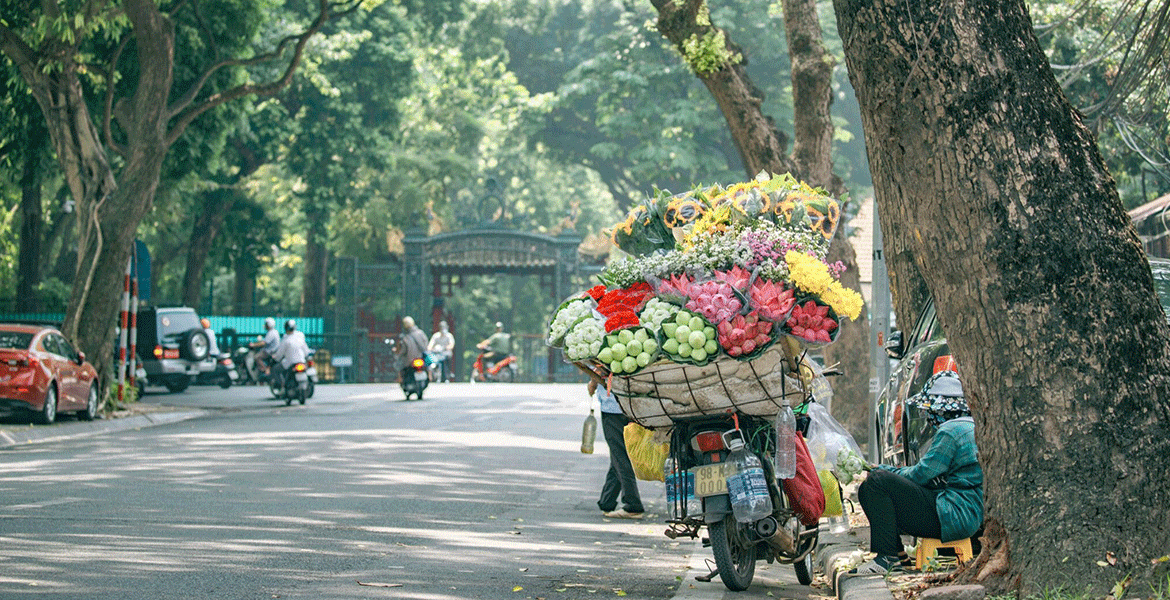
[701,331]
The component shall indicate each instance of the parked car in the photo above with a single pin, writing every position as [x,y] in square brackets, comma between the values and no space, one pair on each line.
[42,373]
[172,346]
[903,432]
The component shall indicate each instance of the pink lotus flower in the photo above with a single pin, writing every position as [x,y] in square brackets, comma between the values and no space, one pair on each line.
[714,300]
[811,322]
[743,334]
[737,277]
[772,300]
[676,286]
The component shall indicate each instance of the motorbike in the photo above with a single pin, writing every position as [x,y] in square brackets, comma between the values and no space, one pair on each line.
[699,451]
[224,374]
[297,382]
[504,369]
[249,370]
[415,378]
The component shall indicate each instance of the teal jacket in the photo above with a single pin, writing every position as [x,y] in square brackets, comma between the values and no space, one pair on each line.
[951,468]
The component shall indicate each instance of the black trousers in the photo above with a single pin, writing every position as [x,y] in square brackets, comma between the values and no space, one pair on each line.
[895,505]
[620,477]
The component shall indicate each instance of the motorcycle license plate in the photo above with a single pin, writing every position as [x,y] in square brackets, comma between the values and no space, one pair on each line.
[302,378]
[420,376]
[711,480]
[233,375]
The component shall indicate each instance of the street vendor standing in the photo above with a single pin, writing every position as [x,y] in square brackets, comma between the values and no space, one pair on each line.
[940,497]
[620,479]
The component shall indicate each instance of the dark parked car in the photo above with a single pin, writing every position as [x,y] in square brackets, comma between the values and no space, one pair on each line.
[42,373]
[903,432]
[172,346]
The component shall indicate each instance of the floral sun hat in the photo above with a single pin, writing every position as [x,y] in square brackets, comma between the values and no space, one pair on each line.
[942,394]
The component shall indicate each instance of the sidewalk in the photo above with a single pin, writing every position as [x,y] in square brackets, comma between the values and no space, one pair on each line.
[136,416]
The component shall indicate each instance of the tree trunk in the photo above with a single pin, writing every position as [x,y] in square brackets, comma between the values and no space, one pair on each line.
[314,295]
[812,153]
[762,146]
[216,205]
[32,220]
[986,176]
[851,395]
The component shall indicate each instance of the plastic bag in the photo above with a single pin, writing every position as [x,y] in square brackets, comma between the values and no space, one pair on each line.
[827,437]
[646,455]
[804,492]
[832,489]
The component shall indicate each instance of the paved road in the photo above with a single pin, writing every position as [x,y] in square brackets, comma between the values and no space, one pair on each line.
[479,491]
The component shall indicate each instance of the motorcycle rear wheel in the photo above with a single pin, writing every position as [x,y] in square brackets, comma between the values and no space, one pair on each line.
[736,561]
[225,382]
[804,569]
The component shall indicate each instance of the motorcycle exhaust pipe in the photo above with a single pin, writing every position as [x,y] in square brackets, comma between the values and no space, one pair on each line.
[777,537]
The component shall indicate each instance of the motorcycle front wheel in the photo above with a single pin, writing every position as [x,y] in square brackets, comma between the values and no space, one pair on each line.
[274,387]
[734,557]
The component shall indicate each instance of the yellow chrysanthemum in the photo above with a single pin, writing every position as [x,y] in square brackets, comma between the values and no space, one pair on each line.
[808,273]
[844,301]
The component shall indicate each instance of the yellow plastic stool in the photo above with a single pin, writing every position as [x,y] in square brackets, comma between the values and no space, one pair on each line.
[928,547]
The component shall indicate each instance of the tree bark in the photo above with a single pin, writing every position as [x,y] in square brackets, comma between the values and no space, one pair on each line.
[812,153]
[216,206]
[989,182]
[314,294]
[32,220]
[762,146]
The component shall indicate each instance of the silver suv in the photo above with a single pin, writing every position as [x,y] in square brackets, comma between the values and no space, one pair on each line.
[172,346]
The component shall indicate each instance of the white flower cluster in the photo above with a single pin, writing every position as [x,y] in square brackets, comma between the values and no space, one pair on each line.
[655,312]
[568,316]
[849,465]
[584,339]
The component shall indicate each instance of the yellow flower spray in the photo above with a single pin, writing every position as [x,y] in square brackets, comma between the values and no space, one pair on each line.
[811,275]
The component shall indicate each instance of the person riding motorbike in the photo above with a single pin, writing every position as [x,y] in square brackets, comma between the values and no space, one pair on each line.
[496,347]
[292,348]
[414,345]
[212,345]
[267,346]
[443,344]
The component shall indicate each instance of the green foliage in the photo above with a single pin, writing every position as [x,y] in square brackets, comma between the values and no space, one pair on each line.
[709,53]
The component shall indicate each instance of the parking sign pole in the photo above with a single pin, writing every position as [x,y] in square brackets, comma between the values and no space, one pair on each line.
[879,327]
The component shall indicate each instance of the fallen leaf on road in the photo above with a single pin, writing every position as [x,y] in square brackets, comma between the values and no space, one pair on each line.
[1111,558]
[376,584]
[517,588]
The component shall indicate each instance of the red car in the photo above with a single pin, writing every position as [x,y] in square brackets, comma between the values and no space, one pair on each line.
[40,371]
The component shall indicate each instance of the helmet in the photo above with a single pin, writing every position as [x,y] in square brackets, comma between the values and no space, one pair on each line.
[205,323]
[407,322]
[290,325]
[499,325]
[269,323]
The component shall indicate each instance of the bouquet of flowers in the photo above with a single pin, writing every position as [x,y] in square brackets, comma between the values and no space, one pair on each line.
[739,267]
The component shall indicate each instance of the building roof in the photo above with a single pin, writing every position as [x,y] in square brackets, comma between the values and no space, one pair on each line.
[1150,209]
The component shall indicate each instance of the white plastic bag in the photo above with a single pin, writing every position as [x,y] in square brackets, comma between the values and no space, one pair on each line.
[827,437]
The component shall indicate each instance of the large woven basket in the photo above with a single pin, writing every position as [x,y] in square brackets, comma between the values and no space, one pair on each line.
[667,391]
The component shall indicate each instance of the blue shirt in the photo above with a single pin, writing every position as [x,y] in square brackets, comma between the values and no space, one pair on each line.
[609,403]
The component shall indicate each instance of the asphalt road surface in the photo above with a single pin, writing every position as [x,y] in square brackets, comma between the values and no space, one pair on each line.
[478,491]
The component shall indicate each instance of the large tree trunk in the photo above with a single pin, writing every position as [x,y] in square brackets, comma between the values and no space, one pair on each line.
[32,220]
[762,146]
[216,206]
[987,177]
[812,151]
[315,292]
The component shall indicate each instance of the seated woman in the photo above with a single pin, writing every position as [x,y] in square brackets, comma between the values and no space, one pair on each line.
[941,496]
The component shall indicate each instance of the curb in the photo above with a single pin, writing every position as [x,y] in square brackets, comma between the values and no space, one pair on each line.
[835,559]
[69,431]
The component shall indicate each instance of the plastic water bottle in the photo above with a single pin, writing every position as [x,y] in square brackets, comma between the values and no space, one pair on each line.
[680,490]
[747,487]
[785,461]
[671,478]
[588,433]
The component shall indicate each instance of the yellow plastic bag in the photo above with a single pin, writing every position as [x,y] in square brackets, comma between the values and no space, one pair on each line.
[646,456]
[833,506]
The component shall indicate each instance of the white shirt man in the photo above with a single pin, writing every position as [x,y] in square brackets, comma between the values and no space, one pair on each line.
[292,349]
